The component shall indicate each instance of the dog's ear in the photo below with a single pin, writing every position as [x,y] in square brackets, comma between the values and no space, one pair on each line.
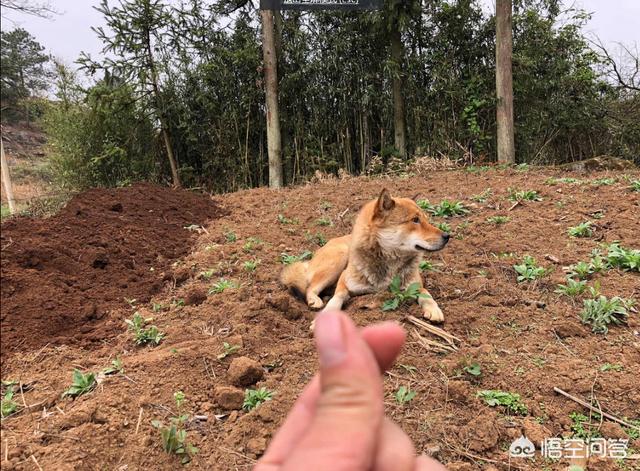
[385,202]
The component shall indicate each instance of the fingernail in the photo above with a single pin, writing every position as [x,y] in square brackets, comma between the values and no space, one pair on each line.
[330,340]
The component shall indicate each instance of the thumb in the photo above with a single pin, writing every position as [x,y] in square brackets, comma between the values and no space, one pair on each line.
[343,433]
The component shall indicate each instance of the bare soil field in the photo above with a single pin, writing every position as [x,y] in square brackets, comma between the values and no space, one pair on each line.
[70,281]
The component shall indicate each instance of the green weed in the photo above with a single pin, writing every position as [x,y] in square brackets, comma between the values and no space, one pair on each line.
[81,384]
[8,406]
[635,185]
[251,244]
[601,312]
[510,401]
[611,367]
[482,197]
[230,237]
[116,367]
[498,219]
[288,259]
[425,265]
[622,258]
[251,265]
[324,221]
[228,350]
[143,334]
[221,285]
[444,227]
[448,208]
[523,195]
[581,230]
[572,288]
[580,270]
[174,434]
[528,270]
[316,238]
[404,395]
[282,219]
[604,181]
[254,397]
[400,296]
[473,369]
[582,427]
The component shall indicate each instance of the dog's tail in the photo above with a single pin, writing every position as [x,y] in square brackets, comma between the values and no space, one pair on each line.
[294,277]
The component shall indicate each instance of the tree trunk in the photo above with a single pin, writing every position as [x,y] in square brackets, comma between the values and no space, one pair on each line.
[399,125]
[166,136]
[274,139]
[6,179]
[504,83]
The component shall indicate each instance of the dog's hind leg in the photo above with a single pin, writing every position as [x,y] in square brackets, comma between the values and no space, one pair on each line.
[320,280]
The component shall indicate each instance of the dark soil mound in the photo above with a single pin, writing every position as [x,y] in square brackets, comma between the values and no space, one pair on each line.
[62,276]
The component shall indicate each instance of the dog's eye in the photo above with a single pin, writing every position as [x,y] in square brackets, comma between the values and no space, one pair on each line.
[416,220]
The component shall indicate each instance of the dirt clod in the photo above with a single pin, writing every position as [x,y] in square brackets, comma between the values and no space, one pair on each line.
[244,371]
[229,398]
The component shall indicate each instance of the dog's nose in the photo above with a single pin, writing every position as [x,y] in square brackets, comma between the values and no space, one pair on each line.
[445,237]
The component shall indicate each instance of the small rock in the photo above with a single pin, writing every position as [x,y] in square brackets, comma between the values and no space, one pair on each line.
[229,398]
[257,446]
[612,430]
[195,296]
[233,417]
[244,371]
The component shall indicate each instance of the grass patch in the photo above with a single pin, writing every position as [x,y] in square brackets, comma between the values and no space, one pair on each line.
[498,219]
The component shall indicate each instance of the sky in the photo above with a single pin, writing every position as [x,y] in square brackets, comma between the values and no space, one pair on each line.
[69,33]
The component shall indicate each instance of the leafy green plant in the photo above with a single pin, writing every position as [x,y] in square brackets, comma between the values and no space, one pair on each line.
[282,219]
[523,167]
[400,296]
[228,350]
[604,181]
[8,406]
[580,270]
[572,288]
[174,434]
[555,181]
[251,244]
[581,230]
[324,221]
[528,270]
[317,238]
[81,384]
[251,265]
[622,258]
[157,307]
[582,427]
[288,259]
[448,208]
[230,236]
[425,265]
[424,205]
[498,219]
[477,169]
[254,397]
[524,195]
[601,312]
[635,185]
[444,227]
[116,367]
[473,369]
[611,367]
[221,285]
[325,205]
[482,197]
[597,263]
[510,401]
[206,274]
[143,334]
[404,395]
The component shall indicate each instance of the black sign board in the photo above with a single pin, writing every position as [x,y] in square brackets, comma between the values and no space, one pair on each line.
[321,4]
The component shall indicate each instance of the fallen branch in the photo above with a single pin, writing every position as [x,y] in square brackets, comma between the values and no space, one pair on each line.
[597,410]
[437,331]
[432,344]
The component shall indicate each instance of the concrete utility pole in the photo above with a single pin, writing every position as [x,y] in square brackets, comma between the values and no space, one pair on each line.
[274,138]
[504,82]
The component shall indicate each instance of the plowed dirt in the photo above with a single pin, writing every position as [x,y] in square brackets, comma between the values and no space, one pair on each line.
[525,338]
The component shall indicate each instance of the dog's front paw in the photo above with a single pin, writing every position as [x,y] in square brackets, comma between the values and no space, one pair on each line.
[314,302]
[433,312]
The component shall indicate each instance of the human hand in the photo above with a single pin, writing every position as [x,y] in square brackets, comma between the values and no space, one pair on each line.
[338,422]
